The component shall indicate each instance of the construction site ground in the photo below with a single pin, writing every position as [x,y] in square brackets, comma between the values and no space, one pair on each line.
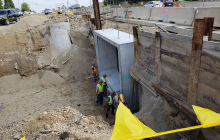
[42,101]
[70,86]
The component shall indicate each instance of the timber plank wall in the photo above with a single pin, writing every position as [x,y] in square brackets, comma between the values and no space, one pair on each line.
[167,58]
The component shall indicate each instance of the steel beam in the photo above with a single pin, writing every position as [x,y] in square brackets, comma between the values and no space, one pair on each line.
[197,43]
[135,34]
[177,103]
[209,21]
[97,14]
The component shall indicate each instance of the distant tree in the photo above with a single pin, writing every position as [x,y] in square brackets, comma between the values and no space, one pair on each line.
[17,9]
[25,7]
[9,4]
[1,5]
[82,6]
[105,2]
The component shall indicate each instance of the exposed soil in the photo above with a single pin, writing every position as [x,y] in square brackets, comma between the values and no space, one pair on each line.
[46,88]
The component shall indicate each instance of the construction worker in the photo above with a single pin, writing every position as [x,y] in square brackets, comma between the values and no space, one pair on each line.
[104,83]
[99,91]
[94,71]
[110,104]
[120,98]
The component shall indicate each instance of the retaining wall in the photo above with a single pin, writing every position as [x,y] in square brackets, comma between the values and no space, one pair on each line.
[166,62]
[209,77]
[164,59]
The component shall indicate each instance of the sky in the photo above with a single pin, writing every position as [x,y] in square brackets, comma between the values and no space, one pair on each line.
[38,5]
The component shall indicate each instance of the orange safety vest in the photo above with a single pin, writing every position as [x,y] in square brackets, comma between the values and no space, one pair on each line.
[120,98]
[93,69]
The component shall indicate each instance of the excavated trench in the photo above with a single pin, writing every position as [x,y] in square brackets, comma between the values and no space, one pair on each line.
[38,74]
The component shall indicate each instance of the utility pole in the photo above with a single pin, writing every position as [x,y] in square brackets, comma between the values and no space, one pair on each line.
[19,5]
[67,4]
[97,15]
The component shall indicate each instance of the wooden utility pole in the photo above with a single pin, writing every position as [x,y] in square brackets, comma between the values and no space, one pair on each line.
[97,14]
[197,43]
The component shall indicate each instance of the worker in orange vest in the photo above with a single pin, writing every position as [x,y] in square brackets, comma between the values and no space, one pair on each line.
[120,98]
[94,71]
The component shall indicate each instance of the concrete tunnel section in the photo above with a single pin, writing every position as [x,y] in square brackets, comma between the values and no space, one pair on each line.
[115,55]
[60,34]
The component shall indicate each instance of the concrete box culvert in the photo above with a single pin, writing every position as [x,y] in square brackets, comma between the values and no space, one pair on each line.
[58,26]
[115,57]
[60,34]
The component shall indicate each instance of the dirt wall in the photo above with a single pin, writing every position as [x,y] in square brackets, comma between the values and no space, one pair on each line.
[19,48]
[22,45]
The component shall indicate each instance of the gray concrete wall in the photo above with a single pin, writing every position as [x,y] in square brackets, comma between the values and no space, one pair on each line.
[177,15]
[139,13]
[209,12]
[202,4]
[109,60]
[60,34]
[126,57]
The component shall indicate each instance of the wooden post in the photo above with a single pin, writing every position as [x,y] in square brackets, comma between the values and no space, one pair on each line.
[97,14]
[135,35]
[198,33]
[209,21]
[92,23]
[158,56]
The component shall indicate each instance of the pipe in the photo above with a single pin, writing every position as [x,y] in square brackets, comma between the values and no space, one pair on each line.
[138,80]
[183,108]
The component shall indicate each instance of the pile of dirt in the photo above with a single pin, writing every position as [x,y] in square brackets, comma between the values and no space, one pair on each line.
[61,123]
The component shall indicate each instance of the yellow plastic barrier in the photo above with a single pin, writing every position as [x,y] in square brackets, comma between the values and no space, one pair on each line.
[206,116]
[128,127]
[23,138]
